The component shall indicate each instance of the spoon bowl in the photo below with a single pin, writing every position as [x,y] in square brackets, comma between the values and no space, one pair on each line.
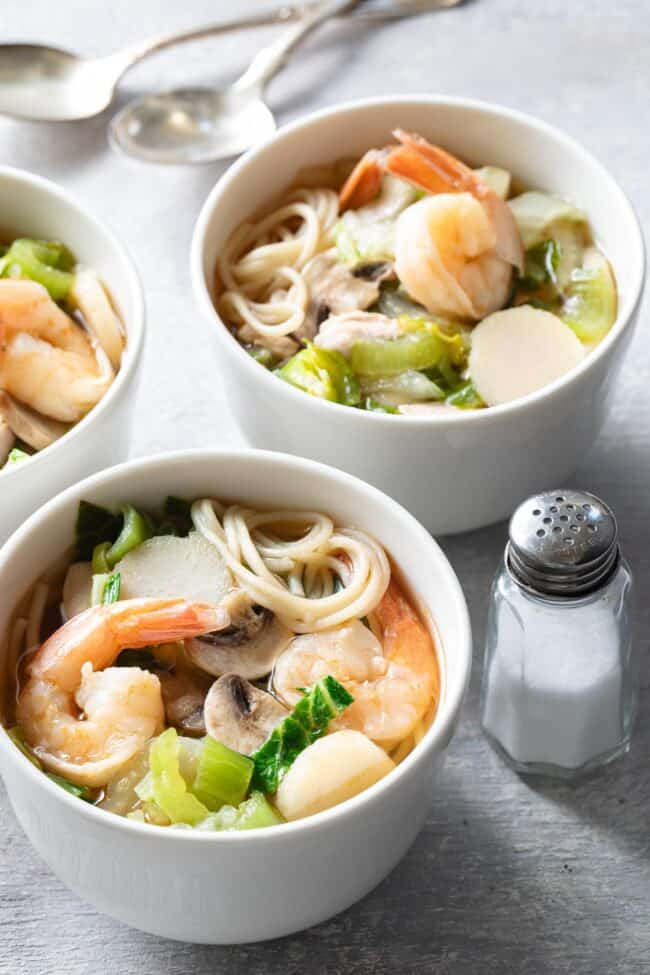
[193,125]
[198,125]
[40,83]
[48,84]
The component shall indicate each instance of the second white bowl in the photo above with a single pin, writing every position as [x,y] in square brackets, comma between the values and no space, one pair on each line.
[454,472]
[34,207]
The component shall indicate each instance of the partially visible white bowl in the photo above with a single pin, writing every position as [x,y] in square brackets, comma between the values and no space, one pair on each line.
[228,888]
[34,207]
[453,472]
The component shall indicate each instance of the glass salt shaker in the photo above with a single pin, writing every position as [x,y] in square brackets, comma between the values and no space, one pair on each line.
[560,678]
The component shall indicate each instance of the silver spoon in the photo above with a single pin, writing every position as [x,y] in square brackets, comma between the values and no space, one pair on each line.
[47,84]
[197,125]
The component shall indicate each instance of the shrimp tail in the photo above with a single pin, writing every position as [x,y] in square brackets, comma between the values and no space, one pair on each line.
[170,620]
[101,632]
[364,182]
[405,639]
[429,167]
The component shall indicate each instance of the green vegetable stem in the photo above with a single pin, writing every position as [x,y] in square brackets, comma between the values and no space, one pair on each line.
[135,530]
[47,262]
[105,588]
[222,775]
[421,346]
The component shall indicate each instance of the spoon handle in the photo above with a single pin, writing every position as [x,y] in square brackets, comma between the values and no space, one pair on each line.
[287,13]
[267,62]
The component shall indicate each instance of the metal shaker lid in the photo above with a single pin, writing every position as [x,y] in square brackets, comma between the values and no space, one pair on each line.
[563,543]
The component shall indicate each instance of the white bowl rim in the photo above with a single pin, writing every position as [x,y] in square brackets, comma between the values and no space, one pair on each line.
[493,414]
[439,731]
[135,331]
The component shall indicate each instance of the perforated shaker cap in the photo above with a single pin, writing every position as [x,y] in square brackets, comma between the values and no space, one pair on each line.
[563,543]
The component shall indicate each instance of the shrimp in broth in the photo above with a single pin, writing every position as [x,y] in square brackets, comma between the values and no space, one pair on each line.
[416,285]
[187,665]
[61,346]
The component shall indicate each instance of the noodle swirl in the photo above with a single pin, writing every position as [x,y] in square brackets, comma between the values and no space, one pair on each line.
[322,579]
[260,266]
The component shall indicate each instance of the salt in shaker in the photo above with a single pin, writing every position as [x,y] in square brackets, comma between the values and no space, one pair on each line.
[560,681]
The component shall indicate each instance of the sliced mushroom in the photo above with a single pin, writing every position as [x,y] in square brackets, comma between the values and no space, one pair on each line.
[33,428]
[6,438]
[184,694]
[333,290]
[89,296]
[240,715]
[377,271]
[248,647]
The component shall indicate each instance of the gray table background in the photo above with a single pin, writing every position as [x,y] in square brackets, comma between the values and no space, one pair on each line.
[507,876]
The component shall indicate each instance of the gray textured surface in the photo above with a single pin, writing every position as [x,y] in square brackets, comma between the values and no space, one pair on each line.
[506,877]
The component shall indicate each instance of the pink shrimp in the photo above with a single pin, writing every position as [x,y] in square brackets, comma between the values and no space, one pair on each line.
[86,719]
[455,250]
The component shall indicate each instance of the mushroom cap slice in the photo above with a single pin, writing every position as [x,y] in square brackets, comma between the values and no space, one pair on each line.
[248,647]
[90,297]
[240,715]
[6,438]
[33,428]
[184,693]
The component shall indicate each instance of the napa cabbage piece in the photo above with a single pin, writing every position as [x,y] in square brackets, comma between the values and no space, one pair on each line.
[542,262]
[368,234]
[541,216]
[466,398]
[406,387]
[307,722]
[254,813]
[372,405]
[324,373]
[590,299]
[166,786]
[499,180]
[15,456]
[394,302]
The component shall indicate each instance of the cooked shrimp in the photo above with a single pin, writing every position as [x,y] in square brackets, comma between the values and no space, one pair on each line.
[25,306]
[392,685]
[47,361]
[455,249]
[86,719]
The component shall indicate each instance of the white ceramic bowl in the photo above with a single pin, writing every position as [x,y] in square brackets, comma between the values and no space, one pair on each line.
[34,207]
[454,472]
[230,888]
